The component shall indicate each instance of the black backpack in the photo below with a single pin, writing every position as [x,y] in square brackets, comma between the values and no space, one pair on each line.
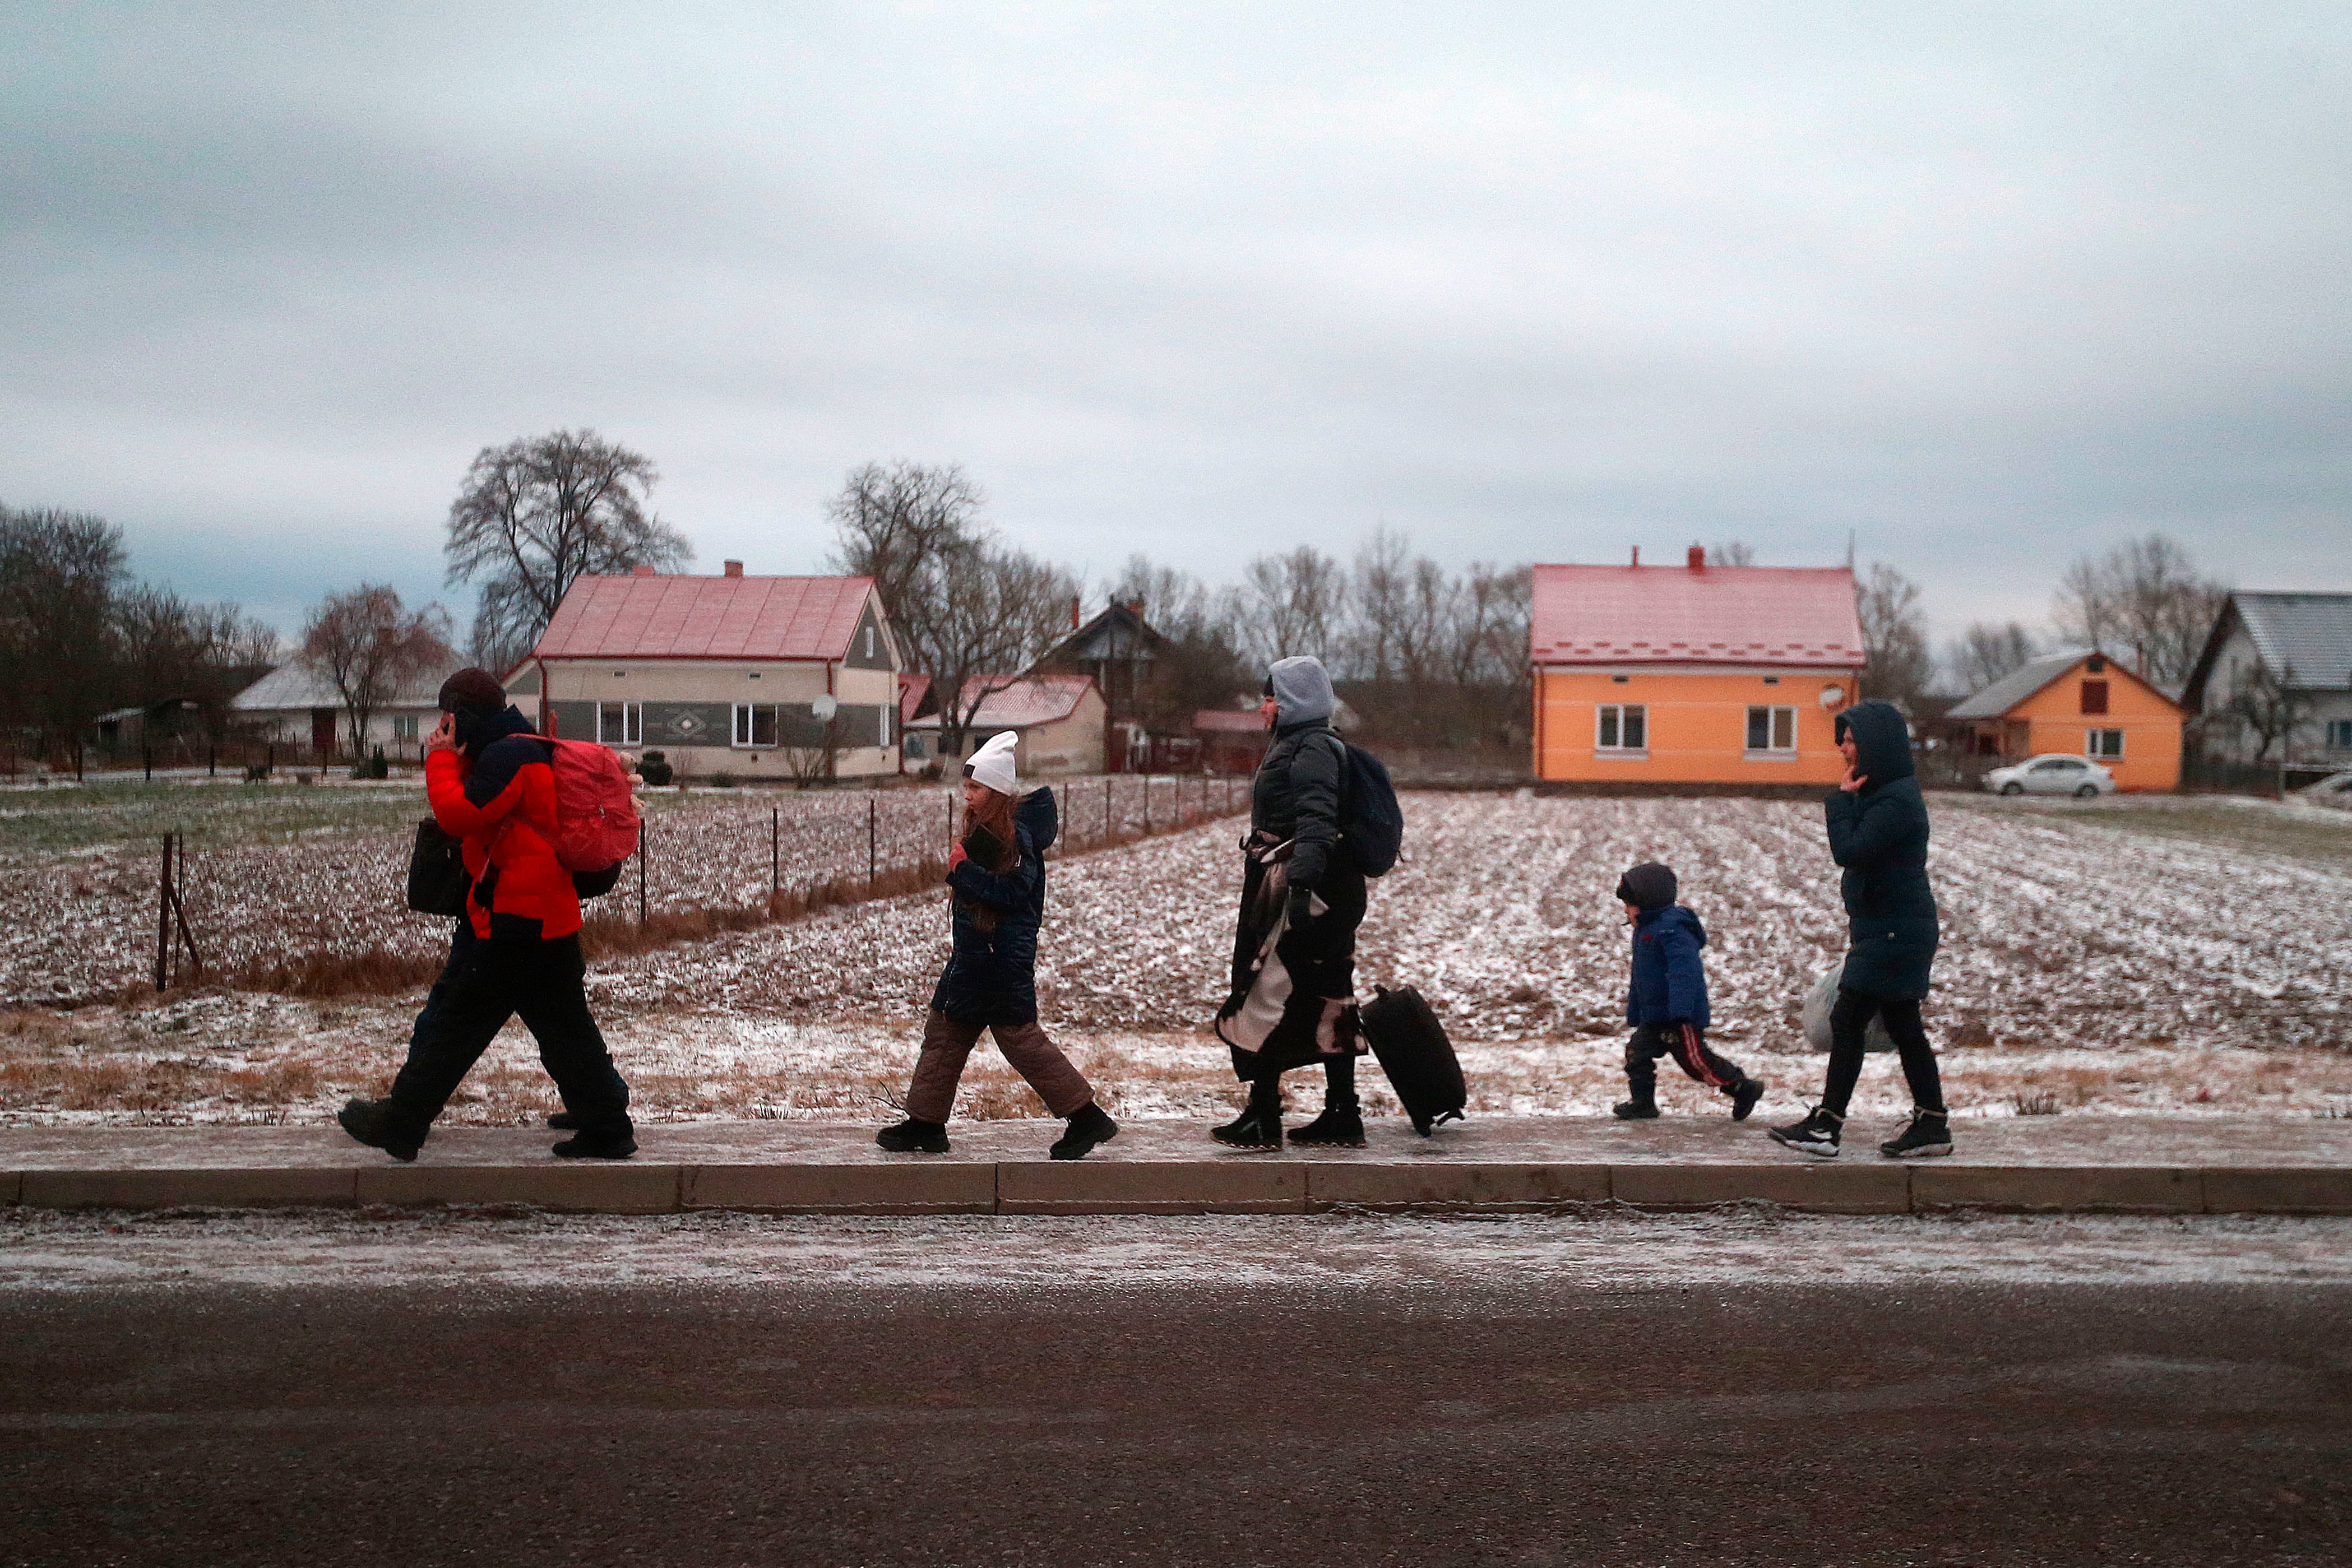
[1371,825]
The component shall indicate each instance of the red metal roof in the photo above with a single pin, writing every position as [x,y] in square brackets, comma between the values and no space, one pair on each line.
[1694,615]
[671,617]
[1026,701]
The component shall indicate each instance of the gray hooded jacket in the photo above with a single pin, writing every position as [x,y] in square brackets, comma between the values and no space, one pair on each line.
[1296,795]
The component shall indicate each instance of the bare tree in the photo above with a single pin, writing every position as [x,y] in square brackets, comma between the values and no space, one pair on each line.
[1736,552]
[59,572]
[899,524]
[204,654]
[1198,664]
[369,646]
[1986,651]
[2269,705]
[535,516]
[999,609]
[2143,599]
[1893,635]
[1293,603]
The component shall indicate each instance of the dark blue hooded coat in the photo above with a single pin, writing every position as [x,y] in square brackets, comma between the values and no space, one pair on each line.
[1879,834]
[1669,984]
[993,977]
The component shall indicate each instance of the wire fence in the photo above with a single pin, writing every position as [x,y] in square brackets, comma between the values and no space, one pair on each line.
[332,901]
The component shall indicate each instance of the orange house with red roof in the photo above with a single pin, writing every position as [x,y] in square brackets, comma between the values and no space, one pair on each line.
[721,675]
[1692,674]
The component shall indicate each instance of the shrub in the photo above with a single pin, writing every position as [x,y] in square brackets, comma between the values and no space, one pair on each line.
[2035,1102]
[653,767]
[722,781]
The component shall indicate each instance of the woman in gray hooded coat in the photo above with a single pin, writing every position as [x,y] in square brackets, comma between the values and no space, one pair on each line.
[1293,976]
[1878,832]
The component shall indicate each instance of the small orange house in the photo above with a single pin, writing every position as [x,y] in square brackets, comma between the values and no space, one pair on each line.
[1692,674]
[2079,704]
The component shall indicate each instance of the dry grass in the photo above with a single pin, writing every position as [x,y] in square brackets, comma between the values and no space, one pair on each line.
[2034,1103]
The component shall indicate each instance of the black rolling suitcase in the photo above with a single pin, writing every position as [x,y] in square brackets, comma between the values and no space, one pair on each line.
[1415,1054]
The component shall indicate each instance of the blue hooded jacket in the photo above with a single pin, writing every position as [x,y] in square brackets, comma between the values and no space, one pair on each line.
[1879,835]
[1669,983]
[993,977]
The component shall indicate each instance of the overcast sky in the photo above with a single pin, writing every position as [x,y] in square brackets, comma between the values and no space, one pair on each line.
[1988,286]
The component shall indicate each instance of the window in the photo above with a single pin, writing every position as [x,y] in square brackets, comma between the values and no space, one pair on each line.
[2095,665]
[2057,765]
[2095,696]
[620,724]
[1771,730]
[2105,744]
[755,723]
[403,726]
[2339,735]
[1624,726]
[1771,680]
[869,642]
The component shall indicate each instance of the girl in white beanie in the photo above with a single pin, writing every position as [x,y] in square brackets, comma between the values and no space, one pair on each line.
[998,873]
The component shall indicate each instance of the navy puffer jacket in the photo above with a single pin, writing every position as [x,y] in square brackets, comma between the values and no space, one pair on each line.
[1669,983]
[1879,834]
[993,977]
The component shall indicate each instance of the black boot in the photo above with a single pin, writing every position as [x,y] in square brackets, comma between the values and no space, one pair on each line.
[1640,1108]
[1817,1135]
[915,1136]
[1259,1126]
[1744,1095]
[1341,1124]
[604,1146]
[1089,1125]
[1930,1133]
[372,1123]
[563,1122]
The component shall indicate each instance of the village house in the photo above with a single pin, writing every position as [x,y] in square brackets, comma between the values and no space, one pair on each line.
[2078,705]
[296,707]
[2281,663]
[757,677]
[1060,719]
[1692,674]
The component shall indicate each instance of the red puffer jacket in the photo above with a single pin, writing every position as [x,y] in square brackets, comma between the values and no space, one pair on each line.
[502,805]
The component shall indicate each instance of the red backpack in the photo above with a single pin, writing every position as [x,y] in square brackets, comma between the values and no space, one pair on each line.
[595,816]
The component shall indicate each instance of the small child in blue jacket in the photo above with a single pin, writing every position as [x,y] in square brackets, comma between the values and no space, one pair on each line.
[1666,1001]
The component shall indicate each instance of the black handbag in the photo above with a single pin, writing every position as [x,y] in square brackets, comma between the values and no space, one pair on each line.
[436,873]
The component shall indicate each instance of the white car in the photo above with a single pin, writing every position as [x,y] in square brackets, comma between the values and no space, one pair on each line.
[2053,775]
[2336,790]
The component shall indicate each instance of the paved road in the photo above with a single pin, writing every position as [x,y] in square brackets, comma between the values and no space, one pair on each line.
[1410,1399]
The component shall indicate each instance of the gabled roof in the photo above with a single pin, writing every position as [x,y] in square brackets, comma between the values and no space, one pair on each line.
[1119,633]
[1703,615]
[2311,633]
[914,691]
[2025,679]
[675,617]
[1029,701]
[294,685]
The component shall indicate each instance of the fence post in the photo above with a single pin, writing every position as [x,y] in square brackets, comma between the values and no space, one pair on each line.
[871,838]
[1147,805]
[644,842]
[1105,838]
[163,919]
[212,761]
[775,853]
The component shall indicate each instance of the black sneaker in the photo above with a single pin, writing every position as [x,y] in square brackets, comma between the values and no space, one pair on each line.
[1929,1134]
[1636,1110]
[1333,1129]
[1091,1126]
[1251,1130]
[563,1122]
[596,1146]
[1817,1135]
[370,1122]
[1744,1098]
[913,1138]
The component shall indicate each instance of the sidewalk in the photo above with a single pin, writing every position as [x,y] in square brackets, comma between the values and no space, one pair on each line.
[2081,1164]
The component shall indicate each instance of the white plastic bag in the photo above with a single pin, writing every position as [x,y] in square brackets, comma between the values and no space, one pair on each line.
[1815,1014]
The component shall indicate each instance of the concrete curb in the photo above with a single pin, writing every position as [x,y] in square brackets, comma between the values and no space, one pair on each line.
[1205,1187]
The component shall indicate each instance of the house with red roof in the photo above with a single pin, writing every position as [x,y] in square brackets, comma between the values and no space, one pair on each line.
[737,674]
[1060,719]
[1692,674]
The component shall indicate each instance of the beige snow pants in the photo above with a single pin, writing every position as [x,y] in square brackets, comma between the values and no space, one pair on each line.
[948,1044]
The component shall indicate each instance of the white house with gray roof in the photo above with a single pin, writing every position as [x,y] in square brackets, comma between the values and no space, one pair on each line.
[2303,642]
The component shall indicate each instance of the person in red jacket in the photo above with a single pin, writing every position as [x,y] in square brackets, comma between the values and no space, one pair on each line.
[516,951]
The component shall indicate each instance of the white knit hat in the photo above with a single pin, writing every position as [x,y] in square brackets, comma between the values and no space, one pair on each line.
[992,764]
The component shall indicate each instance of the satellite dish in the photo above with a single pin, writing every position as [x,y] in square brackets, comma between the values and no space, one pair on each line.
[1833,695]
[824,707]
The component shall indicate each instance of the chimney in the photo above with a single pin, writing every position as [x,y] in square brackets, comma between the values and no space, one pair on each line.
[1135,608]
[734,568]
[642,571]
[1698,558]
[1637,554]
[1074,613]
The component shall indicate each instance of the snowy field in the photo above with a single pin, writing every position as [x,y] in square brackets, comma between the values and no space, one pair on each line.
[2165,957]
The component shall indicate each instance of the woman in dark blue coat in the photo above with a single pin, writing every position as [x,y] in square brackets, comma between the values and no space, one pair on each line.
[998,876]
[1878,833]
